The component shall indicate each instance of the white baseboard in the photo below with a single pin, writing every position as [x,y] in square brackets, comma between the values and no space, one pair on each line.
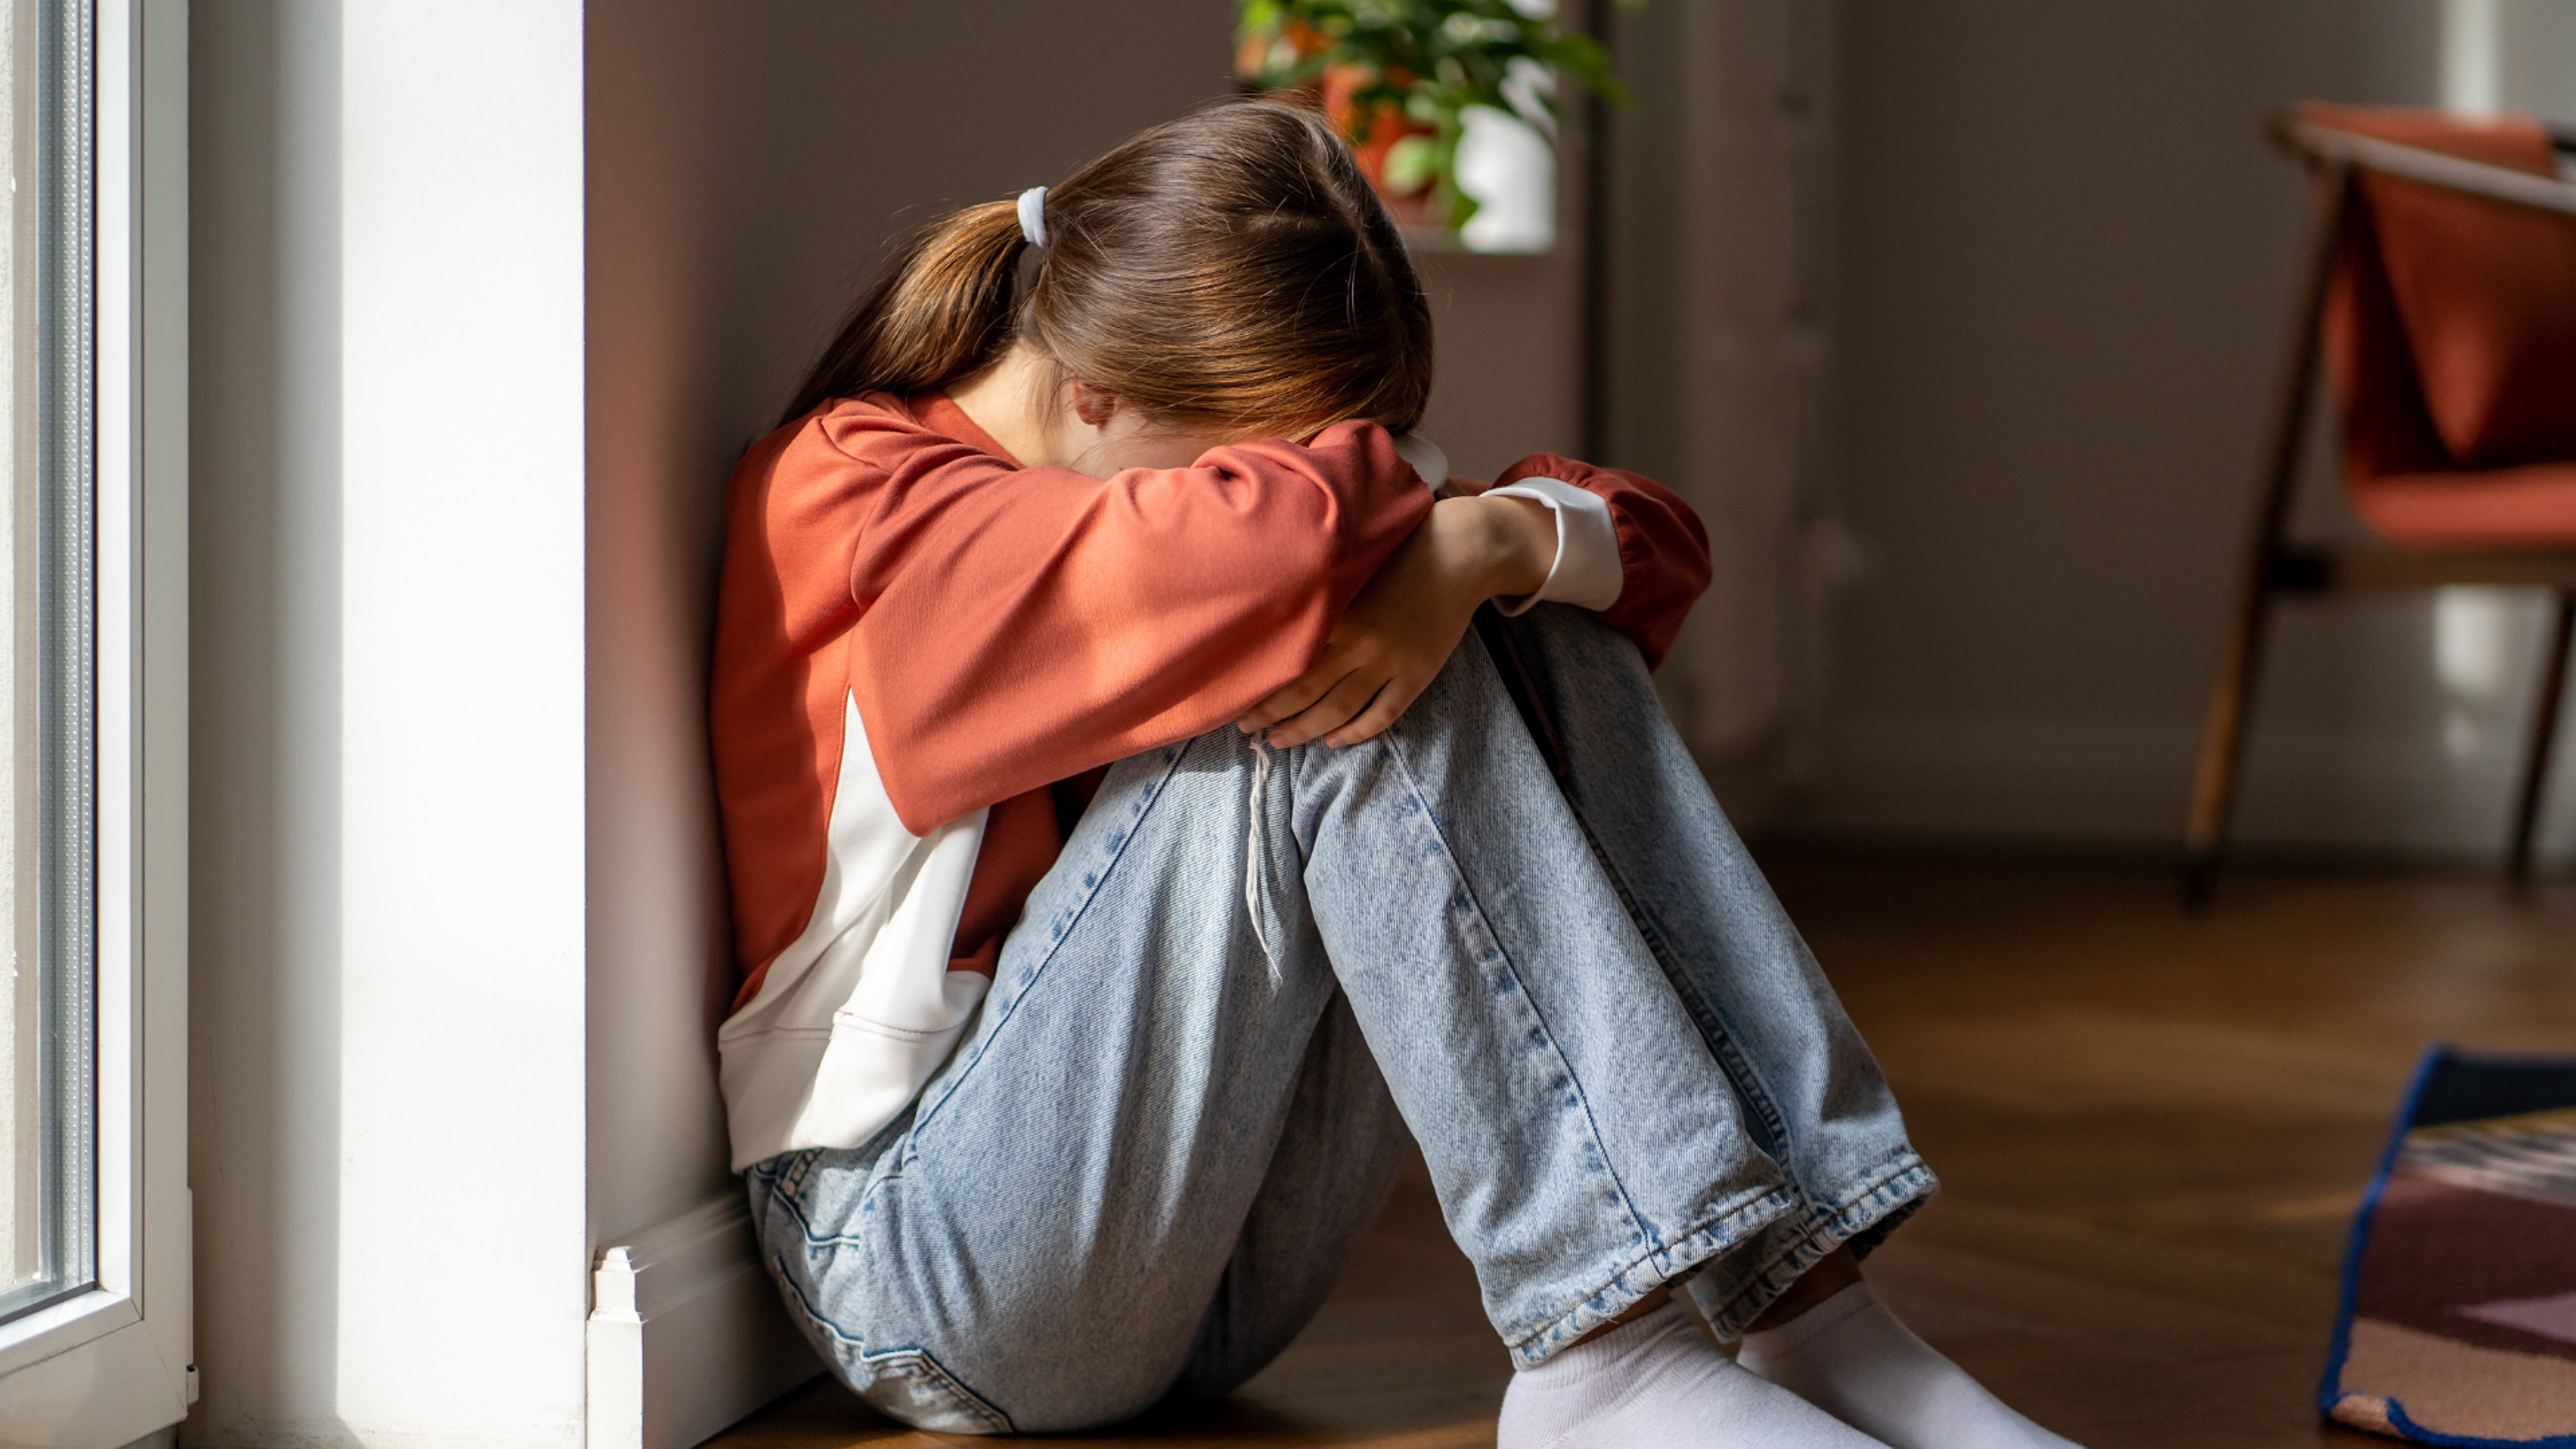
[687,1333]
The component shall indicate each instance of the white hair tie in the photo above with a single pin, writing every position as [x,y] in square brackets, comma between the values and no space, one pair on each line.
[1033,216]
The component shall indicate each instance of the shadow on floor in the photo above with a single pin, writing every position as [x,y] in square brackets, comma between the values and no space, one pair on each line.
[2152,1131]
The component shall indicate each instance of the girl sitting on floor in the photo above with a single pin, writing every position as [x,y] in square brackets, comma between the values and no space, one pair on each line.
[1129,846]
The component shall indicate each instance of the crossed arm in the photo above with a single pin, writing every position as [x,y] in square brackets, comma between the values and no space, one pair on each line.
[1018,626]
[1403,624]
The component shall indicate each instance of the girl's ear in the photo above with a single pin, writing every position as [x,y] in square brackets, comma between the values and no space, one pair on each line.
[1094,407]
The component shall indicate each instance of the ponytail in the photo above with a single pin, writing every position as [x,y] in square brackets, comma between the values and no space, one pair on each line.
[1230,268]
[943,310]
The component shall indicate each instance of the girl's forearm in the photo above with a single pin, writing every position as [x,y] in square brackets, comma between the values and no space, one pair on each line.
[1508,544]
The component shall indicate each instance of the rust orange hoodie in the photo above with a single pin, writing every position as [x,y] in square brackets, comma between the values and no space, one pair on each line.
[925,654]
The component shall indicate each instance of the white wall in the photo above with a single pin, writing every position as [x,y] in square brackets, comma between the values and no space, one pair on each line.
[2066,267]
[386,1084]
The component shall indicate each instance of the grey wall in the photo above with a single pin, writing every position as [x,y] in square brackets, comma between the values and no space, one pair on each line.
[265,880]
[2066,257]
[1510,339]
[1719,346]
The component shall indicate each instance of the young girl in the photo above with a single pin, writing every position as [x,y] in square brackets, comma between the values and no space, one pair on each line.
[1128,847]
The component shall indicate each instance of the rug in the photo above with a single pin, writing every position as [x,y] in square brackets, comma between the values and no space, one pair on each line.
[2458,1322]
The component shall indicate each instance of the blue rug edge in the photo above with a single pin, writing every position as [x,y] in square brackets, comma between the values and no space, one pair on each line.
[2328,1390]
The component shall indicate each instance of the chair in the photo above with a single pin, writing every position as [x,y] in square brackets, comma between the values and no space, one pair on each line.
[2439,283]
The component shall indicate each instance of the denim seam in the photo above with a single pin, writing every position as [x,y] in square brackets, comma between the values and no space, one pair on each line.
[1723,1228]
[1713,1026]
[789,1204]
[792,1204]
[1063,931]
[787,1183]
[815,1240]
[1718,1032]
[1749,1085]
[1000,1422]
[805,1306]
[792,1177]
[1904,1181]
[1583,1099]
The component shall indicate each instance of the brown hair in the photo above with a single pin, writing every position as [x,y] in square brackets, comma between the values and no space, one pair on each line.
[1230,268]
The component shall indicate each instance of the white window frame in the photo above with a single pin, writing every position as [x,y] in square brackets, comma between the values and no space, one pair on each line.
[113,1364]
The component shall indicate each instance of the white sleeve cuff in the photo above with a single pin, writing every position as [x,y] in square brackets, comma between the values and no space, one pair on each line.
[1587,572]
[1429,463]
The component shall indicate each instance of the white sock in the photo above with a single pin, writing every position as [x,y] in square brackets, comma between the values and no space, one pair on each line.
[1657,1383]
[1855,1360]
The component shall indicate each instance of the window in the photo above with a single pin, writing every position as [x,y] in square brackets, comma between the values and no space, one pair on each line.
[48,1216]
[94,1245]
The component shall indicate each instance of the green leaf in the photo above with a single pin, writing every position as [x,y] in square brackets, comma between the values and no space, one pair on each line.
[1430,58]
[1412,164]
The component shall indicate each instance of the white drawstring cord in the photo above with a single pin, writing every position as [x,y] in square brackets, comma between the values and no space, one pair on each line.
[1253,849]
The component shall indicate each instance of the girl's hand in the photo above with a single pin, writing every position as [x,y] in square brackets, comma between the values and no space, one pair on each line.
[1403,625]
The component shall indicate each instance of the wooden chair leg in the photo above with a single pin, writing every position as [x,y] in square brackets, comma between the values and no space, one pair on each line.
[2222,745]
[2231,701]
[2544,736]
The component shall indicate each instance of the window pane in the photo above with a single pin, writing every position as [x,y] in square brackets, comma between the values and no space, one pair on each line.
[47,1078]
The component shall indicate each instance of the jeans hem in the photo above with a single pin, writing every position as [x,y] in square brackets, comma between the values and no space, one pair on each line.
[1721,1231]
[1740,1296]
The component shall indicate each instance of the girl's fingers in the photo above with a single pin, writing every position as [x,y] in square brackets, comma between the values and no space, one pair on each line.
[1324,714]
[1388,707]
[1335,709]
[1293,697]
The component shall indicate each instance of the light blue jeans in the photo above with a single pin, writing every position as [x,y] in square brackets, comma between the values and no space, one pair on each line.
[1252,970]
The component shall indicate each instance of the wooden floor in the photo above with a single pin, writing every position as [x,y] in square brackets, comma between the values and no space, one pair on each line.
[2152,1132]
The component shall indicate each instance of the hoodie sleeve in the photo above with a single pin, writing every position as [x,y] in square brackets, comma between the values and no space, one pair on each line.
[1020,625]
[1661,565]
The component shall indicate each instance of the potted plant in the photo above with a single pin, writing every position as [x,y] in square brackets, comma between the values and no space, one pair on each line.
[1399,76]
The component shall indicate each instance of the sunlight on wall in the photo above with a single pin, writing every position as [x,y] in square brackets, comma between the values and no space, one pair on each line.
[2470,625]
[2472,58]
[2471,628]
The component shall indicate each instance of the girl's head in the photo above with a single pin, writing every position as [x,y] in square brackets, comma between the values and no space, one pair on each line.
[1228,274]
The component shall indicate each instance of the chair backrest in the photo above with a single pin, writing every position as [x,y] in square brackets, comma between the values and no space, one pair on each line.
[2450,320]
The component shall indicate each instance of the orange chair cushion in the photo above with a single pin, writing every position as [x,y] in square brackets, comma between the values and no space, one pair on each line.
[2484,292]
[2527,507]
